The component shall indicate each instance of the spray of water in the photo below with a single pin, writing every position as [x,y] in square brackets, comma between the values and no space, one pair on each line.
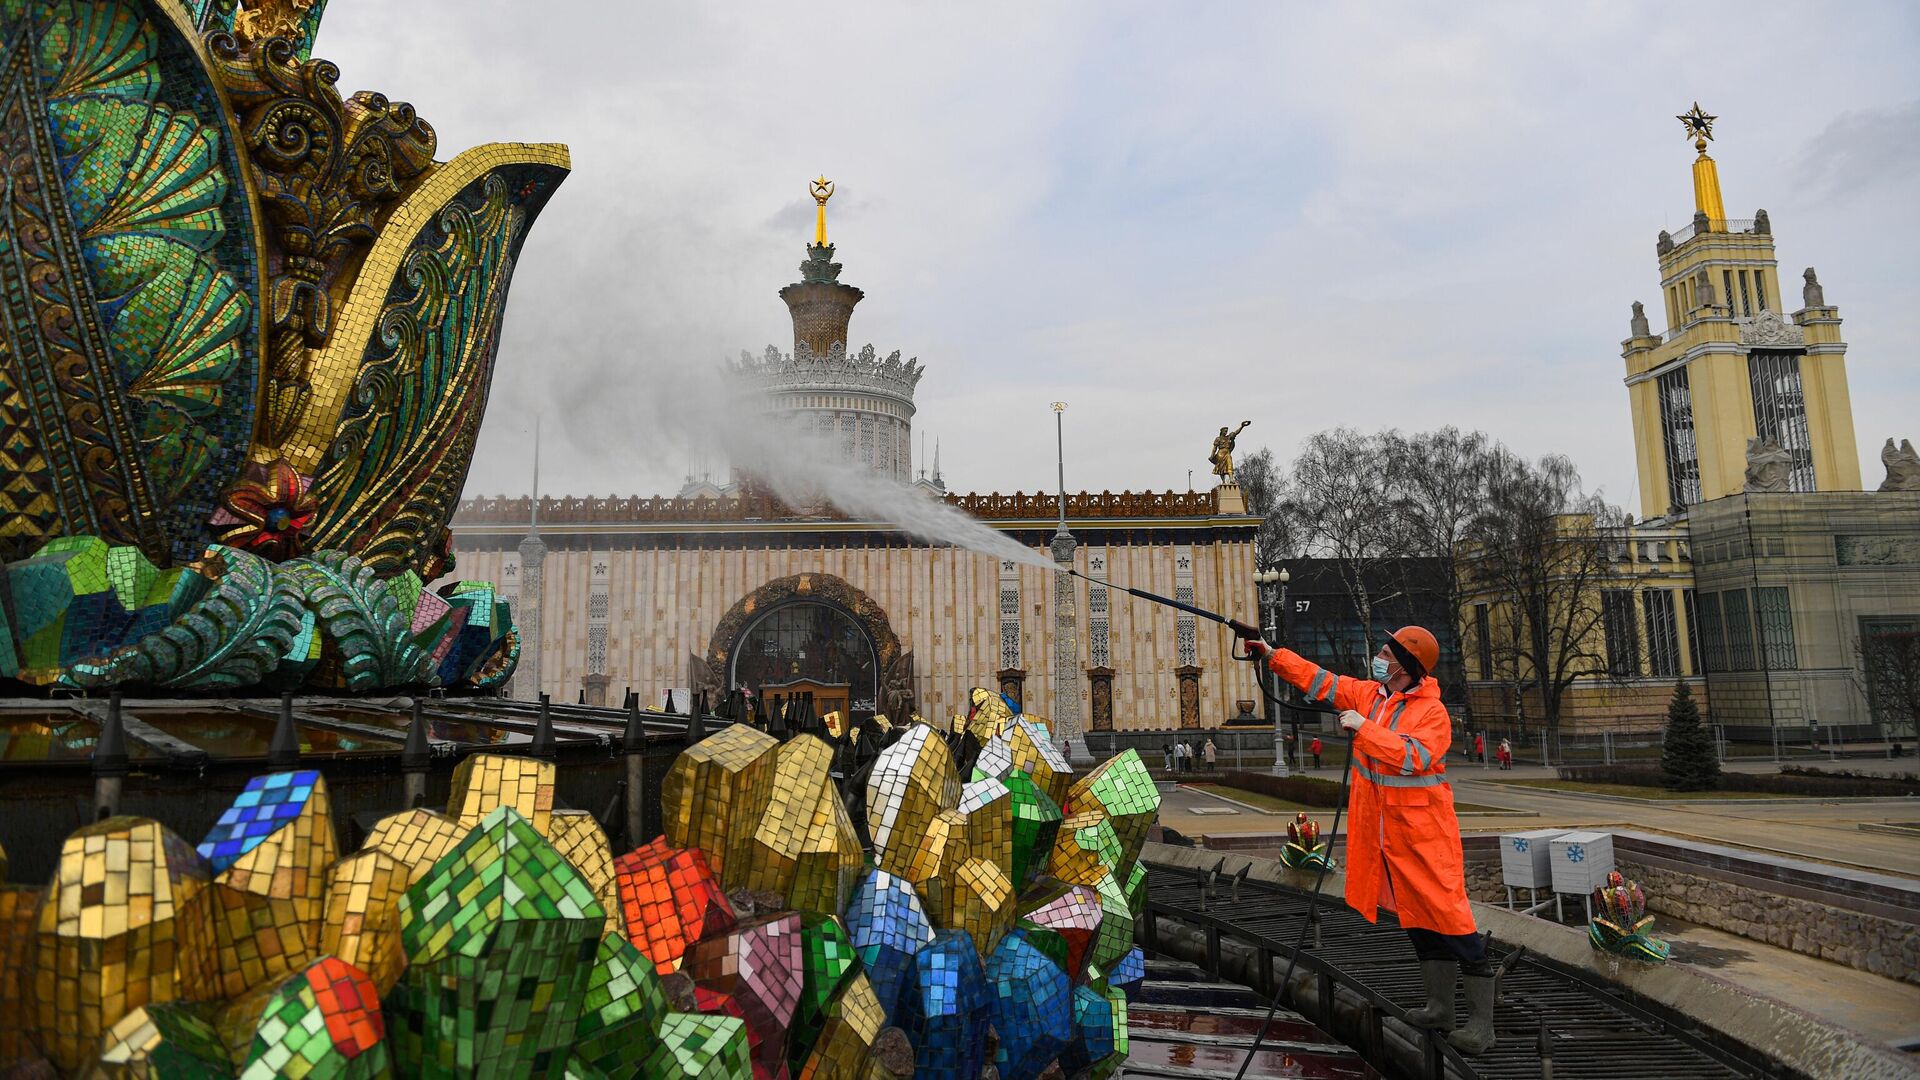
[660,412]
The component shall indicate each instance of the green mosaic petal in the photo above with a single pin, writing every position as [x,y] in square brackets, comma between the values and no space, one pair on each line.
[622,1003]
[829,957]
[97,49]
[1115,935]
[695,1046]
[1036,823]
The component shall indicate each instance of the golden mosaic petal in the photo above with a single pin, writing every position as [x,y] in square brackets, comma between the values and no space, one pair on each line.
[990,714]
[854,1020]
[714,795]
[911,782]
[18,905]
[484,781]
[119,917]
[363,914]
[580,839]
[805,846]
[1085,848]
[980,900]
[1035,754]
[415,838]
[988,806]
[268,905]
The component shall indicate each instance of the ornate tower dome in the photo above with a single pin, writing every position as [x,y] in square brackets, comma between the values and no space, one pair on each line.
[823,388]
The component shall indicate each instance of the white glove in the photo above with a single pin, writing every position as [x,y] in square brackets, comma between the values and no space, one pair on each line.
[1351,720]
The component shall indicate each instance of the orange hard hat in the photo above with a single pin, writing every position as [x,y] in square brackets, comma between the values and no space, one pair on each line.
[1420,644]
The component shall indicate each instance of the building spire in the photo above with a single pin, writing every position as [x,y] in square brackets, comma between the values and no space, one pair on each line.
[1706,174]
[822,191]
[533,521]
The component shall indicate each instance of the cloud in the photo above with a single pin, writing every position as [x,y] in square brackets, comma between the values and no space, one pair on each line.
[1860,150]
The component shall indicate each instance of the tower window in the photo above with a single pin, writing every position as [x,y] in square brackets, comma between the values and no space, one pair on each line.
[1676,432]
[1663,636]
[1726,279]
[1776,629]
[1623,633]
[1780,410]
[1713,643]
[1739,631]
[1746,305]
[1760,288]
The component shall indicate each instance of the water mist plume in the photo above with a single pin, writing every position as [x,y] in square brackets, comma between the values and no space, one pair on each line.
[662,411]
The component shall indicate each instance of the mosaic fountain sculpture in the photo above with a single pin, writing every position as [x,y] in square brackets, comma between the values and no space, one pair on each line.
[250,328]
[1304,849]
[1620,921]
[755,940]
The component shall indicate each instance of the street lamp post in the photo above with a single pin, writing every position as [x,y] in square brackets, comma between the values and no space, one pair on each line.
[1266,579]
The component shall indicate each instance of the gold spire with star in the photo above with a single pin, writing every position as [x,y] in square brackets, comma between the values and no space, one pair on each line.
[822,190]
[1706,174]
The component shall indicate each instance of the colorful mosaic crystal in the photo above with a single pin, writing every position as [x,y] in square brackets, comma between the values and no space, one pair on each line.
[1035,754]
[1099,1043]
[827,958]
[990,713]
[500,945]
[888,928]
[363,915]
[1620,922]
[696,1046]
[120,927]
[911,782]
[946,1010]
[1036,824]
[162,1042]
[851,1022]
[761,965]
[935,852]
[622,1005]
[583,843]
[715,794]
[1085,848]
[485,782]
[988,807]
[78,597]
[270,852]
[804,845]
[324,1022]
[18,906]
[1122,789]
[1115,935]
[415,838]
[1129,971]
[669,899]
[1030,1002]
[980,900]
[1071,911]
[995,759]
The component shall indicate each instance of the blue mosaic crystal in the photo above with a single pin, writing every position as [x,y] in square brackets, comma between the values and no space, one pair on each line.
[1129,971]
[1030,1001]
[947,1010]
[268,802]
[888,927]
[1099,1023]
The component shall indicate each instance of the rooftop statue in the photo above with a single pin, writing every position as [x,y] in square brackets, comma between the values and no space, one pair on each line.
[248,319]
[1222,454]
[1769,465]
[1903,466]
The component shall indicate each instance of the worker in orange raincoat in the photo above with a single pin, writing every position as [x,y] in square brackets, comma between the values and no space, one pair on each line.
[1403,841]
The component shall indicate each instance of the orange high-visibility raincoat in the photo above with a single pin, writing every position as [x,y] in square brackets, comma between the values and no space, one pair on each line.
[1403,841]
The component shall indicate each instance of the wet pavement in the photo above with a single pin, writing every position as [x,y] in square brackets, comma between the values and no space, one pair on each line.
[1183,1023]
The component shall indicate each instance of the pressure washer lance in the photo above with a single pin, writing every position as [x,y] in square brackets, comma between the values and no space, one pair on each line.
[1241,631]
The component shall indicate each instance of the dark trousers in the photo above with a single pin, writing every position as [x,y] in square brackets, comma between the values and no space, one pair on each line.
[1469,949]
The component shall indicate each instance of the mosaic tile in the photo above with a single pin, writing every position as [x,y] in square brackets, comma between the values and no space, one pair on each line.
[695,1046]
[482,782]
[714,795]
[936,850]
[267,903]
[121,926]
[1036,825]
[1071,911]
[761,965]
[1115,935]
[988,806]
[946,1009]
[18,907]
[582,842]
[911,782]
[1035,754]
[1030,1002]
[989,713]
[1129,971]
[324,1023]
[1136,890]
[804,845]
[827,960]
[669,899]
[162,1042]
[415,838]
[995,759]
[888,927]
[1085,848]
[500,938]
[363,915]
[980,900]
[851,1022]
[1122,789]
[1099,1043]
[622,1004]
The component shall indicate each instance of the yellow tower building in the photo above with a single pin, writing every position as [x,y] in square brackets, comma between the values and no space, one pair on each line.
[1730,369]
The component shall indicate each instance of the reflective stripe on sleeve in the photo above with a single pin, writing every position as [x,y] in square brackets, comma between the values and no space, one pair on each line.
[1384,780]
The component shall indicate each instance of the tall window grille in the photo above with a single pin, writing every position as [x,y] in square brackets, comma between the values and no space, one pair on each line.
[1889,650]
[1775,615]
[1676,430]
[1739,630]
[1760,289]
[1663,635]
[1746,305]
[1623,633]
[1693,631]
[1713,642]
[1483,632]
[1780,410]
[1726,277]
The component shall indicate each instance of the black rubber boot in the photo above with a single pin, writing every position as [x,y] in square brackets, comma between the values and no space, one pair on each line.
[1440,977]
[1476,1036]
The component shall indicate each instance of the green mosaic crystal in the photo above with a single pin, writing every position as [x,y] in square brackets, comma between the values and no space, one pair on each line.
[1115,935]
[622,1003]
[829,956]
[1050,942]
[696,1046]
[1121,788]
[500,937]
[1036,823]
[1136,890]
[322,1024]
[172,1041]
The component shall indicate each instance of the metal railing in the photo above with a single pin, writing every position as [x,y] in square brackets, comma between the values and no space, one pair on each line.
[1724,225]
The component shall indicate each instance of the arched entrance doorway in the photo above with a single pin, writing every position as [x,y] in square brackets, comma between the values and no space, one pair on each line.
[810,633]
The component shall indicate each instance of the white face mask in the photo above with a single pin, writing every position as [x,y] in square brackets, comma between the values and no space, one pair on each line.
[1379,669]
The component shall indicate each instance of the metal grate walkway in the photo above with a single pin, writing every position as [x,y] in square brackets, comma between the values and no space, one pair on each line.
[1594,1032]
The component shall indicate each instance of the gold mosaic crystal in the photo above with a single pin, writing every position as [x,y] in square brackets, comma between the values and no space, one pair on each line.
[18,906]
[1034,753]
[484,781]
[1085,848]
[980,900]
[363,914]
[854,1020]
[415,838]
[119,925]
[932,854]
[911,782]
[988,806]
[580,839]
[805,846]
[714,795]
[990,715]
[268,907]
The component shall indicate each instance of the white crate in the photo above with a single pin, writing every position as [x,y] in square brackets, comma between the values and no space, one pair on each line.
[1524,858]
[1581,861]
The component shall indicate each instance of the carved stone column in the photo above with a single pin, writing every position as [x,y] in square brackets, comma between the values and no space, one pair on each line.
[533,557]
[1066,647]
[1188,676]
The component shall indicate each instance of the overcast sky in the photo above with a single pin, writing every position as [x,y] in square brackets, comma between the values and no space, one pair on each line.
[1169,216]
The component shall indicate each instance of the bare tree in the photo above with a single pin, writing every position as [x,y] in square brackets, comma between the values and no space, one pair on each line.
[1439,486]
[1540,548]
[1266,489]
[1889,676]
[1339,494]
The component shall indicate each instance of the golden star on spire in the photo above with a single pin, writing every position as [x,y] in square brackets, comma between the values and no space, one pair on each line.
[1699,125]
[822,190]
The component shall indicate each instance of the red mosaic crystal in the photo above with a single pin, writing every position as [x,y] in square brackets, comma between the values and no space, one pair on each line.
[669,899]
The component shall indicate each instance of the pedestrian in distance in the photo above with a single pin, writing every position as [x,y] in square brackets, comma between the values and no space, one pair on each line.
[1506,754]
[1479,748]
[1166,753]
[1208,752]
[1403,840]
[1314,748]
